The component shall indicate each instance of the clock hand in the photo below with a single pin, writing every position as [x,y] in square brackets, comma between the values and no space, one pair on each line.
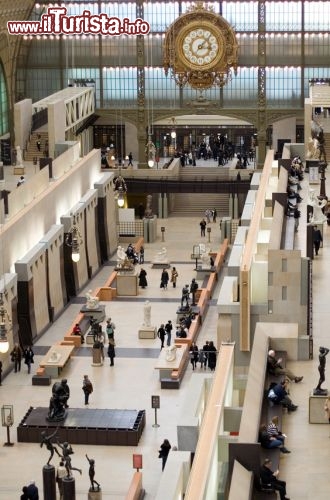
[201,45]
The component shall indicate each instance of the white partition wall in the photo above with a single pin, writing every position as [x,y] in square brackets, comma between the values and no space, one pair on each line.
[91,243]
[32,306]
[54,240]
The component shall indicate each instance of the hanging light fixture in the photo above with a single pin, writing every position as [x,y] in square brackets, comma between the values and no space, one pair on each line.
[74,239]
[120,189]
[4,344]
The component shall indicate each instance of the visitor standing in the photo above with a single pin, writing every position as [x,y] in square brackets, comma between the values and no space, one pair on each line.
[87,389]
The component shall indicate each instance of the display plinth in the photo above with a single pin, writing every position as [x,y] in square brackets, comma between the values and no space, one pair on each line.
[147,332]
[127,284]
[316,409]
[157,264]
[95,495]
[98,313]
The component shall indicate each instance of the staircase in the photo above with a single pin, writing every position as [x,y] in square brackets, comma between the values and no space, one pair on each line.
[32,151]
[186,204]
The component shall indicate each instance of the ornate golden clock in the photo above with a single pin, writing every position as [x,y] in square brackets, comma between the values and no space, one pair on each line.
[200,49]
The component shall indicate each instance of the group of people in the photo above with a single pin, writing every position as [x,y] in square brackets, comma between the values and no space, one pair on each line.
[207,356]
[278,391]
[17,354]
[165,331]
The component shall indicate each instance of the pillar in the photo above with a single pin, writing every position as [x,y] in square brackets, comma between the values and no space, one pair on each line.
[49,482]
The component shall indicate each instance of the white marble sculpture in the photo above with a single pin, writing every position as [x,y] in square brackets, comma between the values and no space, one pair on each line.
[19,157]
[170,353]
[318,216]
[161,256]
[91,301]
[205,257]
[147,314]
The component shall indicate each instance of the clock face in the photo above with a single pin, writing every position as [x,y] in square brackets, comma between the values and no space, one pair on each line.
[200,47]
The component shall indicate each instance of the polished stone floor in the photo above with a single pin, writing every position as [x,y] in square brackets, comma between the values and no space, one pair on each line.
[133,380]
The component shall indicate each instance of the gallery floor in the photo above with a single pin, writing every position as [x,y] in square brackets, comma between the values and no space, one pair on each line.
[133,380]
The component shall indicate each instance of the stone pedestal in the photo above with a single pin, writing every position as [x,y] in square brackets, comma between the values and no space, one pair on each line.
[49,482]
[147,332]
[97,357]
[161,264]
[69,488]
[98,313]
[95,495]
[127,284]
[316,409]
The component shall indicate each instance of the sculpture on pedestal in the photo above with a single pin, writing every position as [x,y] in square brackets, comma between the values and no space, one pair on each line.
[318,216]
[66,452]
[47,441]
[170,353]
[148,214]
[58,401]
[185,297]
[91,301]
[123,262]
[317,134]
[147,314]
[19,157]
[323,351]
[91,473]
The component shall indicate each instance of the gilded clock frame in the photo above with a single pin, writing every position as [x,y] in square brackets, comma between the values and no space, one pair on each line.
[200,76]
[206,25]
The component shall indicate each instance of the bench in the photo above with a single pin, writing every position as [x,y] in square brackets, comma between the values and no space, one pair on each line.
[174,380]
[40,377]
[56,359]
[247,450]
[83,322]
[135,491]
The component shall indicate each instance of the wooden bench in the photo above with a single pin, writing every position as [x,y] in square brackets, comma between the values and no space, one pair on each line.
[83,322]
[135,491]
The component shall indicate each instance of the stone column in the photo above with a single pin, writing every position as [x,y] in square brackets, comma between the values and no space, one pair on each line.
[49,483]
[69,488]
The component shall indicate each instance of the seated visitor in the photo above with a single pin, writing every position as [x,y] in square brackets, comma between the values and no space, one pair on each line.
[278,395]
[77,331]
[274,367]
[270,442]
[274,431]
[270,479]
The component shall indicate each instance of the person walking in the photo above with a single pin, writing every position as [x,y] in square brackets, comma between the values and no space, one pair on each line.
[161,335]
[215,213]
[87,389]
[32,491]
[141,255]
[202,226]
[60,474]
[38,143]
[110,329]
[164,279]
[28,356]
[164,451]
[143,278]
[317,239]
[111,351]
[168,330]
[194,355]
[16,357]
[174,275]
[130,160]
